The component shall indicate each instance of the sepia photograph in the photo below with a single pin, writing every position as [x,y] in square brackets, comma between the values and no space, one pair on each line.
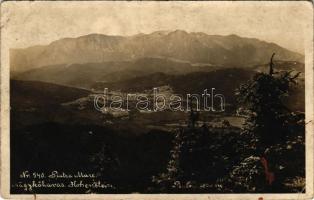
[195,100]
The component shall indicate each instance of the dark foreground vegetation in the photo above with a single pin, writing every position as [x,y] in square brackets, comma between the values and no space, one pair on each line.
[188,161]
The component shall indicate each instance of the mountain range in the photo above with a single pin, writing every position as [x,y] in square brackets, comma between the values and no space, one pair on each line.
[179,46]
[187,62]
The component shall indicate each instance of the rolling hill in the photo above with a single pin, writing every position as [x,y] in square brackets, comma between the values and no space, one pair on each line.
[28,94]
[85,75]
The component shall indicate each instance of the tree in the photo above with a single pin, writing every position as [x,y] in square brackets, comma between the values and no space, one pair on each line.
[263,99]
[269,121]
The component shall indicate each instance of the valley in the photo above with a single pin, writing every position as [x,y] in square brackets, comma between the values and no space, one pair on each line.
[63,120]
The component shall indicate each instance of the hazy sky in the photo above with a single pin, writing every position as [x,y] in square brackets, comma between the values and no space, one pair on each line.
[32,23]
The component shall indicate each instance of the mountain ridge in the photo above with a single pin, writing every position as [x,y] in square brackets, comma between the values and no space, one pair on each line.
[194,47]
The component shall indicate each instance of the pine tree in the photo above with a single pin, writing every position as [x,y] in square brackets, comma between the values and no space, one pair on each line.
[271,123]
[263,99]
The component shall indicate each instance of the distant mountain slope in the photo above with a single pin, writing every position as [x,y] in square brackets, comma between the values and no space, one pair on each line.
[282,66]
[84,75]
[225,81]
[34,102]
[180,45]
[34,94]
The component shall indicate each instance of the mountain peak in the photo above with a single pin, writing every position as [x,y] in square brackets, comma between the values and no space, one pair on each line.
[178,31]
[234,36]
[167,32]
[92,35]
[161,33]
